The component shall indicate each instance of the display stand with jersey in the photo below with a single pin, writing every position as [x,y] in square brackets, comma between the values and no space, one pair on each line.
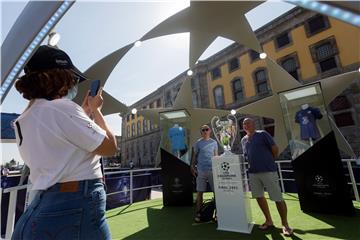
[318,168]
[177,138]
[307,117]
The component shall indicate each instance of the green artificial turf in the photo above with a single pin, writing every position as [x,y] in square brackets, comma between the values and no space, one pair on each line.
[150,220]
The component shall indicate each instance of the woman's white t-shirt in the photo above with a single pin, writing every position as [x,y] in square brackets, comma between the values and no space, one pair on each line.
[58,139]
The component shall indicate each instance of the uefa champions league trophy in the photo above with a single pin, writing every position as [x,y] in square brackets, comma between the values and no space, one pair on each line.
[229,175]
[225,131]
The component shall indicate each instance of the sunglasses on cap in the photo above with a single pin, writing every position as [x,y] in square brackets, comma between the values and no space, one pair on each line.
[205,129]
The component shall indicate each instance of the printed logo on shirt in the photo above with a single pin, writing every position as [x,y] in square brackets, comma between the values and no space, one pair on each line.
[89,125]
[305,120]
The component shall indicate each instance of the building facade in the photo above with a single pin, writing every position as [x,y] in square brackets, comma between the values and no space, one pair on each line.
[115,160]
[306,44]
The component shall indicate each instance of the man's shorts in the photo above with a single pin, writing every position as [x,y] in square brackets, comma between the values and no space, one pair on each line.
[201,180]
[269,180]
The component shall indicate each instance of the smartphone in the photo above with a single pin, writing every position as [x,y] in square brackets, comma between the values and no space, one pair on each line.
[95,85]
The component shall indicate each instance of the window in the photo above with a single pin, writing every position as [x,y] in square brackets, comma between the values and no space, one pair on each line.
[254,55]
[344,119]
[151,126]
[128,131]
[132,153]
[241,128]
[282,40]
[268,121]
[289,64]
[138,127]
[215,73]
[144,148]
[158,103]
[151,147]
[132,116]
[340,103]
[261,82]
[237,90]
[128,118]
[219,96]
[177,88]
[127,153]
[270,130]
[316,24]
[233,64]
[325,56]
[195,99]
[269,125]
[194,83]
[168,99]
[133,129]
[152,105]
[176,91]
[145,127]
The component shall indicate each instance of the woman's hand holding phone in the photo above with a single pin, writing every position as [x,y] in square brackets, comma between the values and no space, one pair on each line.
[92,103]
[96,102]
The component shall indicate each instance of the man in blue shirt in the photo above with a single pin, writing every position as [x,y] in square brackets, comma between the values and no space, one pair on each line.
[201,166]
[260,150]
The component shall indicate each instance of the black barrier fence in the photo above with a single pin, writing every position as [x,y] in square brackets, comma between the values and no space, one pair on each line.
[117,189]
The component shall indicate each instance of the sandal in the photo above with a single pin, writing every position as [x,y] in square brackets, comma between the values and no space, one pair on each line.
[287,231]
[197,218]
[266,226]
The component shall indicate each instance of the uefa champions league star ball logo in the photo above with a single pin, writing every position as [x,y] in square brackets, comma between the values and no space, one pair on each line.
[319,179]
[225,166]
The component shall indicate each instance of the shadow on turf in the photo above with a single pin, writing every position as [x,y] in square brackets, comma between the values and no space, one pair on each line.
[177,223]
[343,227]
[123,210]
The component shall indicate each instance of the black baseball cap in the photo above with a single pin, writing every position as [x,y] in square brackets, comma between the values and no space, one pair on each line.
[47,57]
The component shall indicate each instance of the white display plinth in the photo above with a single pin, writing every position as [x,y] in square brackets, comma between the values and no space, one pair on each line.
[232,204]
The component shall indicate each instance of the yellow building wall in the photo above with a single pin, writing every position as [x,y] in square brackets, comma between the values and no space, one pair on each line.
[347,40]
[244,72]
[348,44]
[135,120]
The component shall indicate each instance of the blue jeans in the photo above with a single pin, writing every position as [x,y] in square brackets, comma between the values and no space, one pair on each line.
[58,214]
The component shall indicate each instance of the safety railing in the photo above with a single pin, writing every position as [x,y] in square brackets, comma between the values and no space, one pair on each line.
[348,162]
[131,187]
[14,190]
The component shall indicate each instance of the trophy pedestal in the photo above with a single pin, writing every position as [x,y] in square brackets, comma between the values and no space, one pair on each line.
[232,204]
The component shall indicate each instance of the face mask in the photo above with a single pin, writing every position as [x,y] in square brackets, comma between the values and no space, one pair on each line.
[72,93]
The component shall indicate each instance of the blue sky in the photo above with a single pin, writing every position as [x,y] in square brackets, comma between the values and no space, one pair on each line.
[90,30]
